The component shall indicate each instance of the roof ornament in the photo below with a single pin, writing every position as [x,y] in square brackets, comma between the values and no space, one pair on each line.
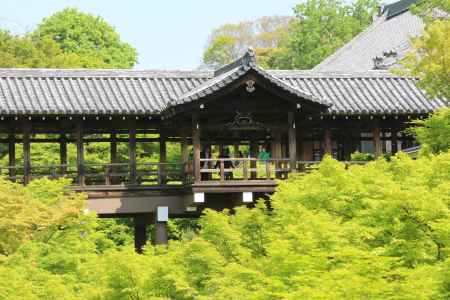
[248,60]
[249,57]
[250,86]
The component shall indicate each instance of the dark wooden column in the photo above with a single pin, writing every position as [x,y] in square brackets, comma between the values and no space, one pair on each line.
[140,231]
[113,159]
[12,156]
[63,153]
[196,146]
[277,151]
[348,145]
[236,150]
[80,152]
[394,141]
[328,146]
[162,158]
[292,142]
[26,152]
[253,154]
[300,147]
[377,147]
[132,152]
[184,156]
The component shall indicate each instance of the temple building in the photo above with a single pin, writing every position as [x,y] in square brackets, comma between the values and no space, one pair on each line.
[238,111]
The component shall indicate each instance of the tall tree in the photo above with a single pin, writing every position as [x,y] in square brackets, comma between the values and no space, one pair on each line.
[88,36]
[229,41]
[429,59]
[20,52]
[319,29]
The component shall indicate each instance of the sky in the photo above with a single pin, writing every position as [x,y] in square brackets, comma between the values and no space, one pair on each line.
[168,34]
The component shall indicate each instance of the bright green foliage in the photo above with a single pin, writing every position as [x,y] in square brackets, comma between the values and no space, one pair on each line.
[319,29]
[434,132]
[20,52]
[379,231]
[88,36]
[34,210]
[430,59]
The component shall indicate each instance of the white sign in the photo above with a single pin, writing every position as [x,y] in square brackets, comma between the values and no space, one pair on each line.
[199,198]
[162,214]
[247,197]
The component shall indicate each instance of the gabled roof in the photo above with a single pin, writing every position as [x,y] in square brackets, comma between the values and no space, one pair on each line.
[388,35]
[236,70]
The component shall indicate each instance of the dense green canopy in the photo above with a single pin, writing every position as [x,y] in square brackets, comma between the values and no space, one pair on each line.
[380,231]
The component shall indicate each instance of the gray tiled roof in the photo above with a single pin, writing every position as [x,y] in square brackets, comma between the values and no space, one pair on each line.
[387,32]
[41,91]
[371,92]
[238,69]
[108,92]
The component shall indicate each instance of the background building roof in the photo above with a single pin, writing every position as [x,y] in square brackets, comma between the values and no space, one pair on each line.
[385,41]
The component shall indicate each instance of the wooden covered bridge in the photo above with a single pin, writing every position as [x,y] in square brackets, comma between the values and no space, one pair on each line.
[297,116]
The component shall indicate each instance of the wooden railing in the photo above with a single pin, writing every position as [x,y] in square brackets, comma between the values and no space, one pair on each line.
[224,169]
[159,174]
[104,174]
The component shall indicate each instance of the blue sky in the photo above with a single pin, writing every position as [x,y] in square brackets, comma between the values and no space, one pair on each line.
[168,34]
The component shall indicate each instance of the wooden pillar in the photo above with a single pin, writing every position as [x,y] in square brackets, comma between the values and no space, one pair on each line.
[236,150]
[113,149]
[26,152]
[12,157]
[196,146]
[378,150]
[277,151]
[292,136]
[132,152]
[80,153]
[162,158]
[394,141]
[140,232]
[184,149]
[113,160]
[328,146]
[63,153]
[253,154]
[300,147]
[348,145]
[184,156]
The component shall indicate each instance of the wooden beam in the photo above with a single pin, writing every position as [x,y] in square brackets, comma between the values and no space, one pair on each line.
[132,152]
[113,158]
[292,142]
[377,146]
[162,158]
[328,146]
[63,153]
[26,152]
[196,146]
[140,232]
[184,157]
[394,141]
[253,154]
[12,156]
[348,145]
[80,153]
